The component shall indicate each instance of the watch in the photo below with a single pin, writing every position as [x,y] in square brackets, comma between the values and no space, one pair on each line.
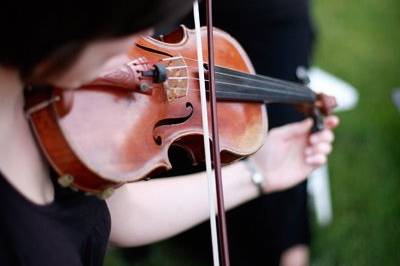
[256,177]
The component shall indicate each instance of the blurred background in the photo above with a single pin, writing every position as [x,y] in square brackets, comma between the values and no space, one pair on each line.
[359,42]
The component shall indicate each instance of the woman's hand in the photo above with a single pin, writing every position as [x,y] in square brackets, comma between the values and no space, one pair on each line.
[290,153]
[287,157]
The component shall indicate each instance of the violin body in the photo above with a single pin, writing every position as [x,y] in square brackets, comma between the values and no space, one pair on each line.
[119,128]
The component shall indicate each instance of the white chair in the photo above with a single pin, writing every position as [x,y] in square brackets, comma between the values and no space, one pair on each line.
[396,98]
[318,182]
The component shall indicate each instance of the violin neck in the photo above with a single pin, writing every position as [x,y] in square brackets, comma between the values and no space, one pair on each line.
[232,85]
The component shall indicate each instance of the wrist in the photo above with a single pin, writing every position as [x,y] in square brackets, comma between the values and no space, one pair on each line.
[256,176]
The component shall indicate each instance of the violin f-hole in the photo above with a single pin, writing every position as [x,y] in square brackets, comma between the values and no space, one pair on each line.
[171,121]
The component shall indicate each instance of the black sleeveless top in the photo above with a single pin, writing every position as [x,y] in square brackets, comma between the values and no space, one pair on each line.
[73,230]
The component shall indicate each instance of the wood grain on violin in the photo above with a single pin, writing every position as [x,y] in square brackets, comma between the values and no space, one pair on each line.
[120,127]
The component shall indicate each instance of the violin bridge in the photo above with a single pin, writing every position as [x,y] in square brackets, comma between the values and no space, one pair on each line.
[177,84]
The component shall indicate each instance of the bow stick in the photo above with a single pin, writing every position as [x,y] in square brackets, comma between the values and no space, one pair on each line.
[217,185]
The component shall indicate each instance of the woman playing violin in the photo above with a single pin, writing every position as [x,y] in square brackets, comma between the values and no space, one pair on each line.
[65,45]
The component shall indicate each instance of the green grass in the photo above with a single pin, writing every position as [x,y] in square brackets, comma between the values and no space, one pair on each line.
[359,41]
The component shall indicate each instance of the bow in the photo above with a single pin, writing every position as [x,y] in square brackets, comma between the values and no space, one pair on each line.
[215,187]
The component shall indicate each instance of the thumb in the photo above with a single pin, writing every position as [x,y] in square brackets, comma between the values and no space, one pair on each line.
[331,122]
[296,129]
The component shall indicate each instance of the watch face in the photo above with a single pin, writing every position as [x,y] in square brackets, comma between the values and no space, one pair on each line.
[258,178]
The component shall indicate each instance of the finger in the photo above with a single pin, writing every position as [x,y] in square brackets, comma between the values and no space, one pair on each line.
[325,135]
[331,122]
[320,148]
[316,160]
[295,129]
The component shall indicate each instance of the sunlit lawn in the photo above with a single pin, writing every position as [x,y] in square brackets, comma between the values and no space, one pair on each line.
[359,41]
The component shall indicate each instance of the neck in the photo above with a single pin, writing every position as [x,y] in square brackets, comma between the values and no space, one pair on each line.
[20,160]
[11,101]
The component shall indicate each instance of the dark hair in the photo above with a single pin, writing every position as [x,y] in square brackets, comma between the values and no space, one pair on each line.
[32,31]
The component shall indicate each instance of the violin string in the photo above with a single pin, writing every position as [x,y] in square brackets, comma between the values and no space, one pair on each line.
[222,73]
[246,86]
[268,81]
[290,89]
[284,82]
[262,89]
[270,100]
[287,91]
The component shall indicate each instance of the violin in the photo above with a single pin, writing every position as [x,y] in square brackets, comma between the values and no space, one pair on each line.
[120,127]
